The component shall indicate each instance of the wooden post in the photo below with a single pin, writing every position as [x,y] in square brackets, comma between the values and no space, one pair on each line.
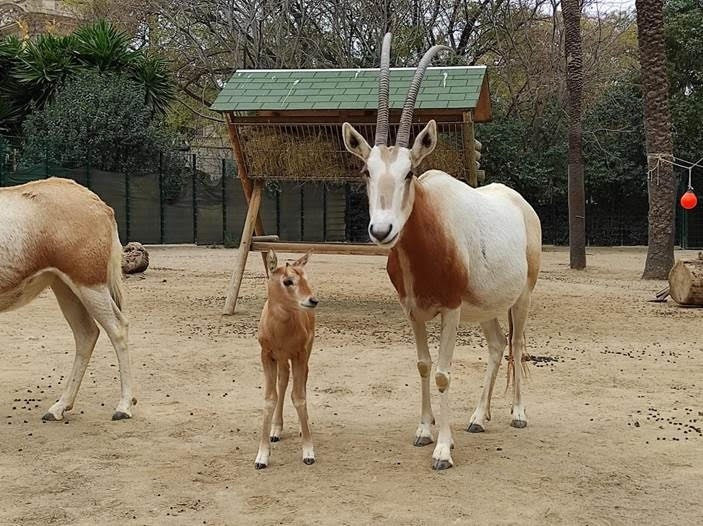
[470,148]
[244,177]
[244,245]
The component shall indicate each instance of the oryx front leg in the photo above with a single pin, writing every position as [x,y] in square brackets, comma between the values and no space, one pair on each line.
[283,375]
[423,435]
[496,346]
[298,396]
[270,399]
[442,457]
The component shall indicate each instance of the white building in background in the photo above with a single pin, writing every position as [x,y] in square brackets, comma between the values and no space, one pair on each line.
[28,18]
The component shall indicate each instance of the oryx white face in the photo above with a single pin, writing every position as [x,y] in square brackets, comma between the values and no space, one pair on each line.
[390,184]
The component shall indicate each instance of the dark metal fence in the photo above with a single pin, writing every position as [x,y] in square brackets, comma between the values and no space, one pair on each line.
[204,203]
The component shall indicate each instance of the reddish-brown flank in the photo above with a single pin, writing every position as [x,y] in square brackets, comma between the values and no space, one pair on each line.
[78,245]
[438,276]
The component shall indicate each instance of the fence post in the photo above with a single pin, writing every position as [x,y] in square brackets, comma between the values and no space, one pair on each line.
[224,201]
[324,211]
[161,198]
[2,165]
[127,200]
[87,171]
[195,202]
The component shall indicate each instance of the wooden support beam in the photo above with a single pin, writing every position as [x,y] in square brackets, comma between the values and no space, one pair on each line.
[470,148]
[244,176]
[264,238]
[235,281]
[366,249]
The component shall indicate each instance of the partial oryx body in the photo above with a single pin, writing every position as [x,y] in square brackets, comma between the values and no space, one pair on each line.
[456,251]
[56,233]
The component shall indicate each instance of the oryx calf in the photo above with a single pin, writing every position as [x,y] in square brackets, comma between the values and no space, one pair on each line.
[286,334]
[56,233]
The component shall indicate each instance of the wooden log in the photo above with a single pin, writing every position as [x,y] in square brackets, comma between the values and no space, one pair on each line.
[235,281]
[264,238]
[366,249]
[686,282]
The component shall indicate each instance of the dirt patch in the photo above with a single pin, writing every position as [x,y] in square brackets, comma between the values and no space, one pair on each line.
[613,399]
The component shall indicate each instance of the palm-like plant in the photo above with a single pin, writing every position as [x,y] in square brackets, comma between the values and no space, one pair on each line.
[32,71]
[152,73]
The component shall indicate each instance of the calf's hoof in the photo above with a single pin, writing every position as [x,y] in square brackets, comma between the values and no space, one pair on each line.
[308,461]
[475,428]
[422,441]
[120,415]
[259,465]
[518,423]
[439,465]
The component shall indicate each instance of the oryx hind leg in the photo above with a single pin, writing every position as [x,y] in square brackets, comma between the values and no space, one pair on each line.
[496,346]
[85,334]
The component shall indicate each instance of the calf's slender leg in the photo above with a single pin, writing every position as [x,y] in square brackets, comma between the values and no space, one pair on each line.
[298,395]
[270,399]
[283,374]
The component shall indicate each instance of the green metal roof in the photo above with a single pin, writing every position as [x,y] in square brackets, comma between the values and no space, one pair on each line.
[456,87]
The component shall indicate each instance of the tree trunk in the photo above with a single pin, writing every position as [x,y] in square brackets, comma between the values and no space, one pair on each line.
[571,11]
[657,117]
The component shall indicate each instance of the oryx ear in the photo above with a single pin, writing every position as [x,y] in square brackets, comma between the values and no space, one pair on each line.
[302,261]
[354,142]
[271,261]
[425,143]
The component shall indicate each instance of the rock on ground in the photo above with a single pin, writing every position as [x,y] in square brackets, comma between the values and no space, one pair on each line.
[135,258]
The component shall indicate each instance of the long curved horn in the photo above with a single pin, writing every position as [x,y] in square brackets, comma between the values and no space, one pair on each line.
[406,118]
[383,91]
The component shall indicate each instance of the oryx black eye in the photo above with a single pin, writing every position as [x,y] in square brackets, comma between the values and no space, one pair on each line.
[287,282]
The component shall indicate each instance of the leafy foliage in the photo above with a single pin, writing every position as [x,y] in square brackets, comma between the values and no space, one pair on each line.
[99,120]
[32,71]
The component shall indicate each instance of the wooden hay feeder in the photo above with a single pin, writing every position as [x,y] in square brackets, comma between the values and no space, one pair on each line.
[285,125]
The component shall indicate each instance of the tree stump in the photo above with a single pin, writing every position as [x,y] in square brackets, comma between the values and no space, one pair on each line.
[686,281]
[135,258]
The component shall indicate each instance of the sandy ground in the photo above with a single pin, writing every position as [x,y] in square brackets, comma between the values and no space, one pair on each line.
[612,435]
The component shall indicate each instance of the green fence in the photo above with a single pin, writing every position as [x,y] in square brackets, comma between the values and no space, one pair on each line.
[202,202]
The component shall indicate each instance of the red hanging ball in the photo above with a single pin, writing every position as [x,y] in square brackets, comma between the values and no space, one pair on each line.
[689,200]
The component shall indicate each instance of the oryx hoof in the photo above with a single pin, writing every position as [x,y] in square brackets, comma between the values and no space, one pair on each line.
[422,441]
[275,438]
[308,461]
[475,428]
[518,423]
[120,415]
[50,417]
[259,465]
[439,465]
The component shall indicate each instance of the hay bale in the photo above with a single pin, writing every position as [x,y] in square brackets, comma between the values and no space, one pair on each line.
[135,258]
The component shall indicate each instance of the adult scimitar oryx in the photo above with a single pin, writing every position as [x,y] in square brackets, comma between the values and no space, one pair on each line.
[55,233]
[459,252]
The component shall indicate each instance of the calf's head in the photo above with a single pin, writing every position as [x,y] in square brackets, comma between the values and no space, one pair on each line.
[288,284]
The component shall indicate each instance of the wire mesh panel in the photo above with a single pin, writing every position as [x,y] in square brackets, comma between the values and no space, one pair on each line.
[112,188]
[290,212]
[316,152]
[313,212]
[145,209]
[335,212]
